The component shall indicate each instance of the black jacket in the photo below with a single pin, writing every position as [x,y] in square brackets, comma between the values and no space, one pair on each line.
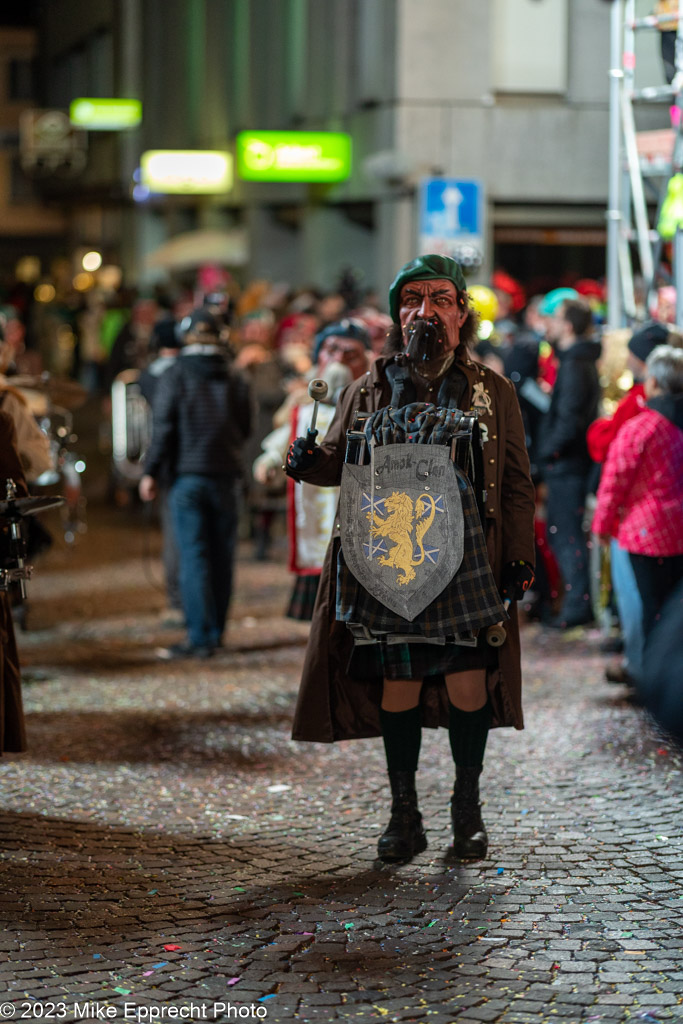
[573,407]
[670,406]
[149,378]
[202,417]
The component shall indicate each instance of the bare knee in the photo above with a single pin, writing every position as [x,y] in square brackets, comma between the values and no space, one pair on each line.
[401,694]
[467,690]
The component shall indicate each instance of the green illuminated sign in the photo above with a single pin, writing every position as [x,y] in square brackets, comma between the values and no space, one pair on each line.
[105,115]
[186,171]
[293,156]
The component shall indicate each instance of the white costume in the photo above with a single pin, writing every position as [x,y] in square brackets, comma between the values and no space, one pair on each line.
[310,509]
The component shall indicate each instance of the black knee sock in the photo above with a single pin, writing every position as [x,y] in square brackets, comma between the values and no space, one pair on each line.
[468,732]
[402,733]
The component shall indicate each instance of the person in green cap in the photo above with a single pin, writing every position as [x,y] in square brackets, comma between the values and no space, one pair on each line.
[388,684]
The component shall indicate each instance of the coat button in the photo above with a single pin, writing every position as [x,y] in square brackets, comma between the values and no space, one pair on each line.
[363,391]
[491,461]
[492,510]
[492,485]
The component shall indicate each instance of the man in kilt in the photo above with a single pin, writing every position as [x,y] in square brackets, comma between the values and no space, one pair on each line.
[370,671]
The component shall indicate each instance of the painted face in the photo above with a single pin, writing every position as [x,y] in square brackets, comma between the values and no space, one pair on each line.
[435,300]
[345,351]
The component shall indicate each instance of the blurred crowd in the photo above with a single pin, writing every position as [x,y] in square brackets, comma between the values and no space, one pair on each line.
[602,414]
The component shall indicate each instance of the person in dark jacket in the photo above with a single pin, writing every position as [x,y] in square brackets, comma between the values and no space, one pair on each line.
[164,346]
[353,690]
[600,437]
[202,417]
[563,454]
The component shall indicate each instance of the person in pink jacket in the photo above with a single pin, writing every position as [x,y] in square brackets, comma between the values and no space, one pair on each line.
[640,497]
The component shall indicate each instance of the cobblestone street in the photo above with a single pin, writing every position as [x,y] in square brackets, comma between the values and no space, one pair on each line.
[165,846]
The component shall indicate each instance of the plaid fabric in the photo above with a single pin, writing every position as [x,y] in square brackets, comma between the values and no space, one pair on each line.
[415,661]
[641,487]
[470,601]
[302,601]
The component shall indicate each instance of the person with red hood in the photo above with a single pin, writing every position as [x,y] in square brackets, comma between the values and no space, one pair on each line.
[599,437]
[641,489]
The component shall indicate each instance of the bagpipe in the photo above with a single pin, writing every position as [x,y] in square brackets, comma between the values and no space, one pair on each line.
[408,523]
[452,427]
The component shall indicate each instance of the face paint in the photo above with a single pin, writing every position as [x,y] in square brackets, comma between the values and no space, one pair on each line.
[434,302]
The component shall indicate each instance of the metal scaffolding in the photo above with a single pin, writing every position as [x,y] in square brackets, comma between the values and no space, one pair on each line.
[640,162]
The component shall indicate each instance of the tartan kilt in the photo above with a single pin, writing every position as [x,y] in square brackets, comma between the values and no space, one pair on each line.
[469,603]
[302,599]
[369,662]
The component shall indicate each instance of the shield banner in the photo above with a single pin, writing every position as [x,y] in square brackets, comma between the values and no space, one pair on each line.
[402,525]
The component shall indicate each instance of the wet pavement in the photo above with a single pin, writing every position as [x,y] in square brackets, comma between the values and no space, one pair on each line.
[166,852]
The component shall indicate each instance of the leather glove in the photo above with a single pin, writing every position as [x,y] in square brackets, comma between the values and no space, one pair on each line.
[516,580]
[302,455]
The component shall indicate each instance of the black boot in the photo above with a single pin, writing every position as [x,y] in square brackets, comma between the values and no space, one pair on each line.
[470,841]
[404,836]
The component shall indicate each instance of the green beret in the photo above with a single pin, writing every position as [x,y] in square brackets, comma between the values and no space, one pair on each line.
[425,268]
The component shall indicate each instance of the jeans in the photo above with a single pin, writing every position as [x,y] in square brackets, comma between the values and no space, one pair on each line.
[205,512]
[656,579]
[565,511]
[169,551]
[630,608]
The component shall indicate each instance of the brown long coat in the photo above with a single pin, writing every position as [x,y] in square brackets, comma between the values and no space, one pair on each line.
[332,706]
[12,734]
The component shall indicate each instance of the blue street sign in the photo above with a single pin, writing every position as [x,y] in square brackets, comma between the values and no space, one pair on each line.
[451,212]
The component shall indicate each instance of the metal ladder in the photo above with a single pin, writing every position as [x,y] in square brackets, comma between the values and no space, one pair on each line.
[627,213]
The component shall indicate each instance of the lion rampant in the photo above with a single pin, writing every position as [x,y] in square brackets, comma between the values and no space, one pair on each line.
[398,528]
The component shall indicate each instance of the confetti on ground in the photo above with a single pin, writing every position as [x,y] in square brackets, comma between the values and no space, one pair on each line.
[154,764]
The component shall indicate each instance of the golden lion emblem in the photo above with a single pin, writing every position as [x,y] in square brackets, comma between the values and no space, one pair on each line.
[398,528]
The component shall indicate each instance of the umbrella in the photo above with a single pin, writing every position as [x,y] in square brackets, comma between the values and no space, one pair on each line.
[192,248]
